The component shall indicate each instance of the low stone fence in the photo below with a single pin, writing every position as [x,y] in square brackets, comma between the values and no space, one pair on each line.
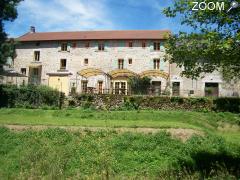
[121,102]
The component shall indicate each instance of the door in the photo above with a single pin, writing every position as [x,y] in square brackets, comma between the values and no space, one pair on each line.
[156,87]
[121,88]
[59,83]
[35,75]
[211,89]
[176,88]
[100,87]
[84,86]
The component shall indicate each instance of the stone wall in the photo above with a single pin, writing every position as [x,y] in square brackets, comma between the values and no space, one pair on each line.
[116,102]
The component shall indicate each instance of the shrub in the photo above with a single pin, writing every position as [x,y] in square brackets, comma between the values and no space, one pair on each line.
[227,104]
[139,85]
[29,96]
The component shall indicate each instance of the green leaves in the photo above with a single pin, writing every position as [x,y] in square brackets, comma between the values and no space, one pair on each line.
[8,12]
[216,47]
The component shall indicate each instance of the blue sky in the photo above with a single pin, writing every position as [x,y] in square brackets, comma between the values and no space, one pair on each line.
[76,15]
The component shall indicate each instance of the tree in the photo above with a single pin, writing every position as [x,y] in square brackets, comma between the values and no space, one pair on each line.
[139,85]
[8,12]
[215,44]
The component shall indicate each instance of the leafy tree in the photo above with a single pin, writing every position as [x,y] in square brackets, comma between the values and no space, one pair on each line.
[139,85]
[215,44]
[8,12]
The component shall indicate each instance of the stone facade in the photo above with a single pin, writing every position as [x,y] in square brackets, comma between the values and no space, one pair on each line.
[49,70]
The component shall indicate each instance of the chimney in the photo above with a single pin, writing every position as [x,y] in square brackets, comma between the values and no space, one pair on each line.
[32,29]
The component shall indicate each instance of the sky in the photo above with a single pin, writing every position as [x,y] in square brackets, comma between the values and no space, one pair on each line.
[78,15]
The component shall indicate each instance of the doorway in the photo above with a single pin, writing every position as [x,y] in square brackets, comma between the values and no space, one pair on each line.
[211,89]
[100,87]
[120,87]
[176,88]
[156,88]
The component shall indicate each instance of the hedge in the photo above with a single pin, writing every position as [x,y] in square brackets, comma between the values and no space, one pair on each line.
[227,104]
[29,96]
[116,102]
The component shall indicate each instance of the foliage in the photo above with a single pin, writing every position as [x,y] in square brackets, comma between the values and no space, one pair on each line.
[59,154]
[214,46]
[227,104]
[8,12]
[139,85]
[169,103]
[139,102]
[29,96]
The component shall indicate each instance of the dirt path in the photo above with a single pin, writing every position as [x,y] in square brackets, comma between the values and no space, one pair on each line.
[179,133]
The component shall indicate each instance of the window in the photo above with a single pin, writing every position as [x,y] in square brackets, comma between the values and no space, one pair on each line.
[120,63]
[36,55]
[156,46]
[176,88]
[129,61]
[63,64]
[37,43]
[87,44]
[85,61]
[84,86]
[130,44]
[23,71]
[74,44]
[64,47]
[143,44]
[101,46]
[156,64]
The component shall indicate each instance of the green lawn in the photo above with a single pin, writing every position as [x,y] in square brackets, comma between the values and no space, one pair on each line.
[154,119]
[59,154]
[205,121]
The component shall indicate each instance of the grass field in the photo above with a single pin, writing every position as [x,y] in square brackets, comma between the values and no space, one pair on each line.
[58,154]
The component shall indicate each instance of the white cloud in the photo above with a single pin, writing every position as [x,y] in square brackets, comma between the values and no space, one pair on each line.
[62,15]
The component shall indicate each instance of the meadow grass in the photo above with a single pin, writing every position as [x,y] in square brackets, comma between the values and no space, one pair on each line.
[106,154]
[204,121]
[60,154]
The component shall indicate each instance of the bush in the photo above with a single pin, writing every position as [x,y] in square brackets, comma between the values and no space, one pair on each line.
[29,96]
[227,104]
[138,102]
[139,85]
[168,103]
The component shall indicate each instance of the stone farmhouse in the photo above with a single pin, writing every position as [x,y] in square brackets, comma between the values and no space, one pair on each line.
[102,61]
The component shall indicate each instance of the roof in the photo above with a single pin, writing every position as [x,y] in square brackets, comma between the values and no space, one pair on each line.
[96,35]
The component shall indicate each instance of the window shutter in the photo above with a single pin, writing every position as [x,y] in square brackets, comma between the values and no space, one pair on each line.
[95,45]
[106,44]
[68,46]
[162,48]
[122,44]
[162,64]
[151,64]
[151,45]
[115,64]
[125,63]
[59,46]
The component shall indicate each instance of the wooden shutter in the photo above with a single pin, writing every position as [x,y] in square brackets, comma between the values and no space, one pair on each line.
[151,45]
[151,64]
[59,46]
[162,48]
[162,64]
[68,46]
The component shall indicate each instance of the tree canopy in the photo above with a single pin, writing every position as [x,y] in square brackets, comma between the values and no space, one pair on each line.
[8,12]
[215,43]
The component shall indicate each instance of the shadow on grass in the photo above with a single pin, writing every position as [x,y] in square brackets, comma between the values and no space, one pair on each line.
[210,164]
